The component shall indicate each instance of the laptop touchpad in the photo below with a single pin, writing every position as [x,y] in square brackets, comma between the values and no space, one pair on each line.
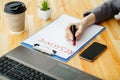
[65,72]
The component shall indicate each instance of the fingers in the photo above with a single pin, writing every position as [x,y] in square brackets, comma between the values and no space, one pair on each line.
[68,33]
[78,34]
[79,31]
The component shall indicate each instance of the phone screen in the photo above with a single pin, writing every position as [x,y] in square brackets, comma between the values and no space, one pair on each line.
[93,51]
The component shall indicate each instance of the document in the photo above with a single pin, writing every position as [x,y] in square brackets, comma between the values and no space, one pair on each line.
[52,36]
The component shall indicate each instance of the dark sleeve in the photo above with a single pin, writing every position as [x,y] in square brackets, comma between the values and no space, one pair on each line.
[105,11]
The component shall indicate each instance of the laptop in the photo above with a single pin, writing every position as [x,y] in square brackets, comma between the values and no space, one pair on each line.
[22,63]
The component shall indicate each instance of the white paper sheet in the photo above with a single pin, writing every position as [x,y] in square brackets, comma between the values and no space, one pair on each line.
[53,36]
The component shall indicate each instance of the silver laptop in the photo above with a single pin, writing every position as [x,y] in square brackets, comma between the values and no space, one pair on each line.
[26,64]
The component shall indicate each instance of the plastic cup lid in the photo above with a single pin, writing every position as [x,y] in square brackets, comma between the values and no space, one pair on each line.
[14,7]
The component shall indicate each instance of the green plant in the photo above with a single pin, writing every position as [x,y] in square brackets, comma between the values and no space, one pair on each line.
[44,5]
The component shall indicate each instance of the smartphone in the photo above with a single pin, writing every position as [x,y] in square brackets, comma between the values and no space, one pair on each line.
[93,51]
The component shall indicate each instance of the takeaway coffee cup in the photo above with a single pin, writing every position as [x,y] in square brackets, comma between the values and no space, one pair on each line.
[15,15]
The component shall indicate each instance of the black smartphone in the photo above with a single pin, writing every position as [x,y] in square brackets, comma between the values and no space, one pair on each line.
[93,51]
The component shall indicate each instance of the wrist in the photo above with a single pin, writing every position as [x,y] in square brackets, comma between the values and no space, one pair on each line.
[88,20]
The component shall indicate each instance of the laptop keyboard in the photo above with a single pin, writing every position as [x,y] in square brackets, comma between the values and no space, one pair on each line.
[17,71]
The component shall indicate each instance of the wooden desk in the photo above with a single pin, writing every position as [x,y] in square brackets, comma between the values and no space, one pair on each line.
[106,66]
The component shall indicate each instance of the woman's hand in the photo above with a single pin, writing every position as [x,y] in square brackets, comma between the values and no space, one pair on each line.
[80,27]
[79,31]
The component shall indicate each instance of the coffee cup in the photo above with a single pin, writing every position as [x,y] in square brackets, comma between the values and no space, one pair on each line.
[15,15]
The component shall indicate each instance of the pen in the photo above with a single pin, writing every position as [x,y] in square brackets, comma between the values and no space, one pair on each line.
[73,30]
[44,49]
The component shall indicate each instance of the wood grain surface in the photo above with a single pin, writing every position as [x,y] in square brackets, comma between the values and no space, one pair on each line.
[106,66]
